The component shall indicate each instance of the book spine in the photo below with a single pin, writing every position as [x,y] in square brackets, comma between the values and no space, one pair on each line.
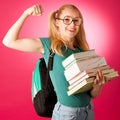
[78,88]
[75,56]
[77,77]
[79,81]
[66,61]
[81,77]
[87,83]
[80,66]
[79,59]
[80,74]
[91,74]
[72,71]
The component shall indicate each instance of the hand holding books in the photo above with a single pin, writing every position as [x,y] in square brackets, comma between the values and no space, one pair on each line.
[100,78]
[81,68]
[99,81]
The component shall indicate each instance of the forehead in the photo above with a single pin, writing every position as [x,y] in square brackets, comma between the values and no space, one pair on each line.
[70,12]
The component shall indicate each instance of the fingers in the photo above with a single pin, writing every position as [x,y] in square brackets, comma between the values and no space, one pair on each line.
[37,10]
[100,79]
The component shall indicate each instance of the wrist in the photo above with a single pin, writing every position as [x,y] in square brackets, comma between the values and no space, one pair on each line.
[95,91]
[25,14]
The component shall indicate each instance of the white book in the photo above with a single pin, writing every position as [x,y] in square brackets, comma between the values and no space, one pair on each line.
[79,55]
[92,74]
[80,80]
[87,84]
[81,59]
[80,66]
[80,74]
[82,87]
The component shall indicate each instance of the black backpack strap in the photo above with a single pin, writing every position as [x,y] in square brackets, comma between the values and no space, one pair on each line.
[51,53]
[47,82]
[50,61]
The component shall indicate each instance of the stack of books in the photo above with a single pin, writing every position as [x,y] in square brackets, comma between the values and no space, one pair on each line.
[81,69]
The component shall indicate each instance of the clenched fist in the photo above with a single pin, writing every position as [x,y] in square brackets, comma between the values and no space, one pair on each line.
[35,10]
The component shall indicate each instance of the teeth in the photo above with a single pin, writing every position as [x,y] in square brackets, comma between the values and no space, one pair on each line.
[72,30]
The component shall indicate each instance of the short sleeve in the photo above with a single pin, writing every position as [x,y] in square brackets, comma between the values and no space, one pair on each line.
[46,46]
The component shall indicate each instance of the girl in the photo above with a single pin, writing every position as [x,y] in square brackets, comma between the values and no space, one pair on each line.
[66,36]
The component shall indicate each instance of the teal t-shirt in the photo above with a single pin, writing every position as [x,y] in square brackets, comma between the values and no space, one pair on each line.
[59,81]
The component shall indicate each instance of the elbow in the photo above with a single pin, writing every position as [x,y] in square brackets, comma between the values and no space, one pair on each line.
[5,43]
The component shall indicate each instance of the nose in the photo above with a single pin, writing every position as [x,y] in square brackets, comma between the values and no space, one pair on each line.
[72,23]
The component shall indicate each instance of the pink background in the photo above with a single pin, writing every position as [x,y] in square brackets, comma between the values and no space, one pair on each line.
[102,25]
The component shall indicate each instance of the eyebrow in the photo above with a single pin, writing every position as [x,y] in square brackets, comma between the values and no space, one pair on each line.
[71,17]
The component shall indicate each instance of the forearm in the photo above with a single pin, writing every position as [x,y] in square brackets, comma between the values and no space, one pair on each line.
[14,31]
[95,91]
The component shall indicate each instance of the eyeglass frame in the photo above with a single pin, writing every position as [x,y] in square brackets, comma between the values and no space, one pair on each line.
[72,20]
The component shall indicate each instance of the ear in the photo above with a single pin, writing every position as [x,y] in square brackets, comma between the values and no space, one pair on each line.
[57,23]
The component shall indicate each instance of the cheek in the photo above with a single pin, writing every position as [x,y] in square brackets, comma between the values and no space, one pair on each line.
[77,29]
[62,28]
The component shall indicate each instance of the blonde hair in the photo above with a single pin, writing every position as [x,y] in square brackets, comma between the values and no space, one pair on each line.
[56,42]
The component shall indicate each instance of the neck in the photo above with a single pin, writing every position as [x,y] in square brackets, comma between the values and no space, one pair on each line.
[68,42]
[70,45]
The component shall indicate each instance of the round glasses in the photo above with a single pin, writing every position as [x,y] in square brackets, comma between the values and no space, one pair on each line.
[67,20]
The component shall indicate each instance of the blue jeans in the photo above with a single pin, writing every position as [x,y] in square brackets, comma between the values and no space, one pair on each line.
[62,112]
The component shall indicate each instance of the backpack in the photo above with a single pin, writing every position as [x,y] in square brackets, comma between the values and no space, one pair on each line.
[43,94]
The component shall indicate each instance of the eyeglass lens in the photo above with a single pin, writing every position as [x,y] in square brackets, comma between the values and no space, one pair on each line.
[68,20]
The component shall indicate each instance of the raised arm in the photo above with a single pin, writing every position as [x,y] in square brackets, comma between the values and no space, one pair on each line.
[12,39]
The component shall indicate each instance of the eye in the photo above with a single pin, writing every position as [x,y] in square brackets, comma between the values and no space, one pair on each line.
[76,20]
[67,20]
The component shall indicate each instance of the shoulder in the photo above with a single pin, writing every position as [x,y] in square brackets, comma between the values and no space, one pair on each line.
[45,41]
